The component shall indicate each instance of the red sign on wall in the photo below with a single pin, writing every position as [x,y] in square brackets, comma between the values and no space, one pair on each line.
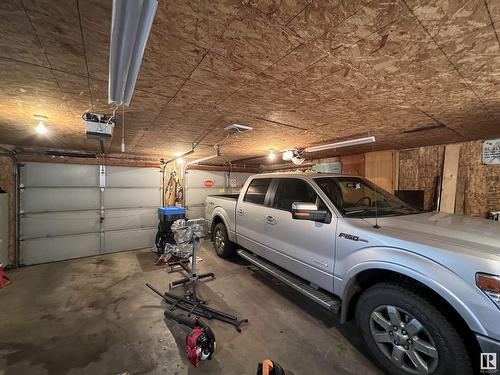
[208,183]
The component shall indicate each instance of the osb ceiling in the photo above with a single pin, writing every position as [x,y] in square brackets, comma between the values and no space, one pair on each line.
[299,72]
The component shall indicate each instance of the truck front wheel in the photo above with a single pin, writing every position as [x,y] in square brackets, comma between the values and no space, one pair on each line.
[223,247]
[407,335]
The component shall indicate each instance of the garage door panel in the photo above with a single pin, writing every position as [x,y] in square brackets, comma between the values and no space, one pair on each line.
[130,219]
[42,250]
[128,239]
[132,198]
[60,175]
[59,223]
[59,199]
[132,177]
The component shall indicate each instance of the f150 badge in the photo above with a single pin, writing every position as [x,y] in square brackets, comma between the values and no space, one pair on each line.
[351,237]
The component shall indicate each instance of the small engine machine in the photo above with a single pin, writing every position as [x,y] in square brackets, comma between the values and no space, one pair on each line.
[200,342]
[167,215]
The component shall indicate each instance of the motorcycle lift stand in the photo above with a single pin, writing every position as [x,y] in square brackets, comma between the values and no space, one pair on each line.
[190,302]
[182,263]
[191,281]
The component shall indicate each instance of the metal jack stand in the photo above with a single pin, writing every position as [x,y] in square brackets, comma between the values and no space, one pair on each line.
[190,281]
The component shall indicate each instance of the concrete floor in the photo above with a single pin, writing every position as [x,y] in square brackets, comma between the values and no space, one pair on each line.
[95,316]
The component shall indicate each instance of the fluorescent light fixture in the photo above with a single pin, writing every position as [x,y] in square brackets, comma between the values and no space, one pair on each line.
[40,117]
[130,27]
[41,128]
[352,142]
[237,128]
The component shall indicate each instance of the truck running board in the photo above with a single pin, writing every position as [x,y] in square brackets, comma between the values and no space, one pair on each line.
[326,300]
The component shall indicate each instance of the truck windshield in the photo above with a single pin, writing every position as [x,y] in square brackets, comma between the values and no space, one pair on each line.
[357,197]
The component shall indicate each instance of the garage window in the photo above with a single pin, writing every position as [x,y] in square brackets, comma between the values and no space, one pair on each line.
[257,190]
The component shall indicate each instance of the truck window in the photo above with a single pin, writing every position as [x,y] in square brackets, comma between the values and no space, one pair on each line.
[293,190]
[257,190]
[358,197]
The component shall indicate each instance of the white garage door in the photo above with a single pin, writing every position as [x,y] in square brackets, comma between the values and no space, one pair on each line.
[72,210]
[220,183]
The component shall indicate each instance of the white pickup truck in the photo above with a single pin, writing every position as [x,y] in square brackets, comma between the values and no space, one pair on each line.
[424,287]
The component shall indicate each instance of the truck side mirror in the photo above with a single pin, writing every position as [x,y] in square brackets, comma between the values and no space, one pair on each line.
[308,211]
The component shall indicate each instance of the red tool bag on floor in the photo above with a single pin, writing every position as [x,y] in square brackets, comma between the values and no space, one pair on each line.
[4,279]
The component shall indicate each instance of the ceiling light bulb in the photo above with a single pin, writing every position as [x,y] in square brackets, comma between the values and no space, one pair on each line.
[271,155]
[41,128]
[180,161]
[288,155]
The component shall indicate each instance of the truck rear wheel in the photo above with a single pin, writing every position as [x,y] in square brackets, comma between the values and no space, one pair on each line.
[223,247]
[407,335]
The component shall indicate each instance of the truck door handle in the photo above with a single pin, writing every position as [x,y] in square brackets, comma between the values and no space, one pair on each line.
[240,211]
[270,219]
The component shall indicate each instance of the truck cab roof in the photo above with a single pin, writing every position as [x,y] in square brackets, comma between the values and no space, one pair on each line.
[301,174]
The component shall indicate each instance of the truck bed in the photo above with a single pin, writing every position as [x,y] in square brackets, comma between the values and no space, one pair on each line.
[225,206]
[228,196]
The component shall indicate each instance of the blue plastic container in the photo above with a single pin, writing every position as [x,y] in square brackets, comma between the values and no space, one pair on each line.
[171,213]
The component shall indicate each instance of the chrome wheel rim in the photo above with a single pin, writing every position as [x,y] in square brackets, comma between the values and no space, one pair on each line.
[219,241]
[403,340]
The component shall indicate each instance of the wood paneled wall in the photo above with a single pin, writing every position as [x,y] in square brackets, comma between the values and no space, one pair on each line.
[380,169]
[419,169]
[353,164]
[477,187]
[7,183]
[450,174]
